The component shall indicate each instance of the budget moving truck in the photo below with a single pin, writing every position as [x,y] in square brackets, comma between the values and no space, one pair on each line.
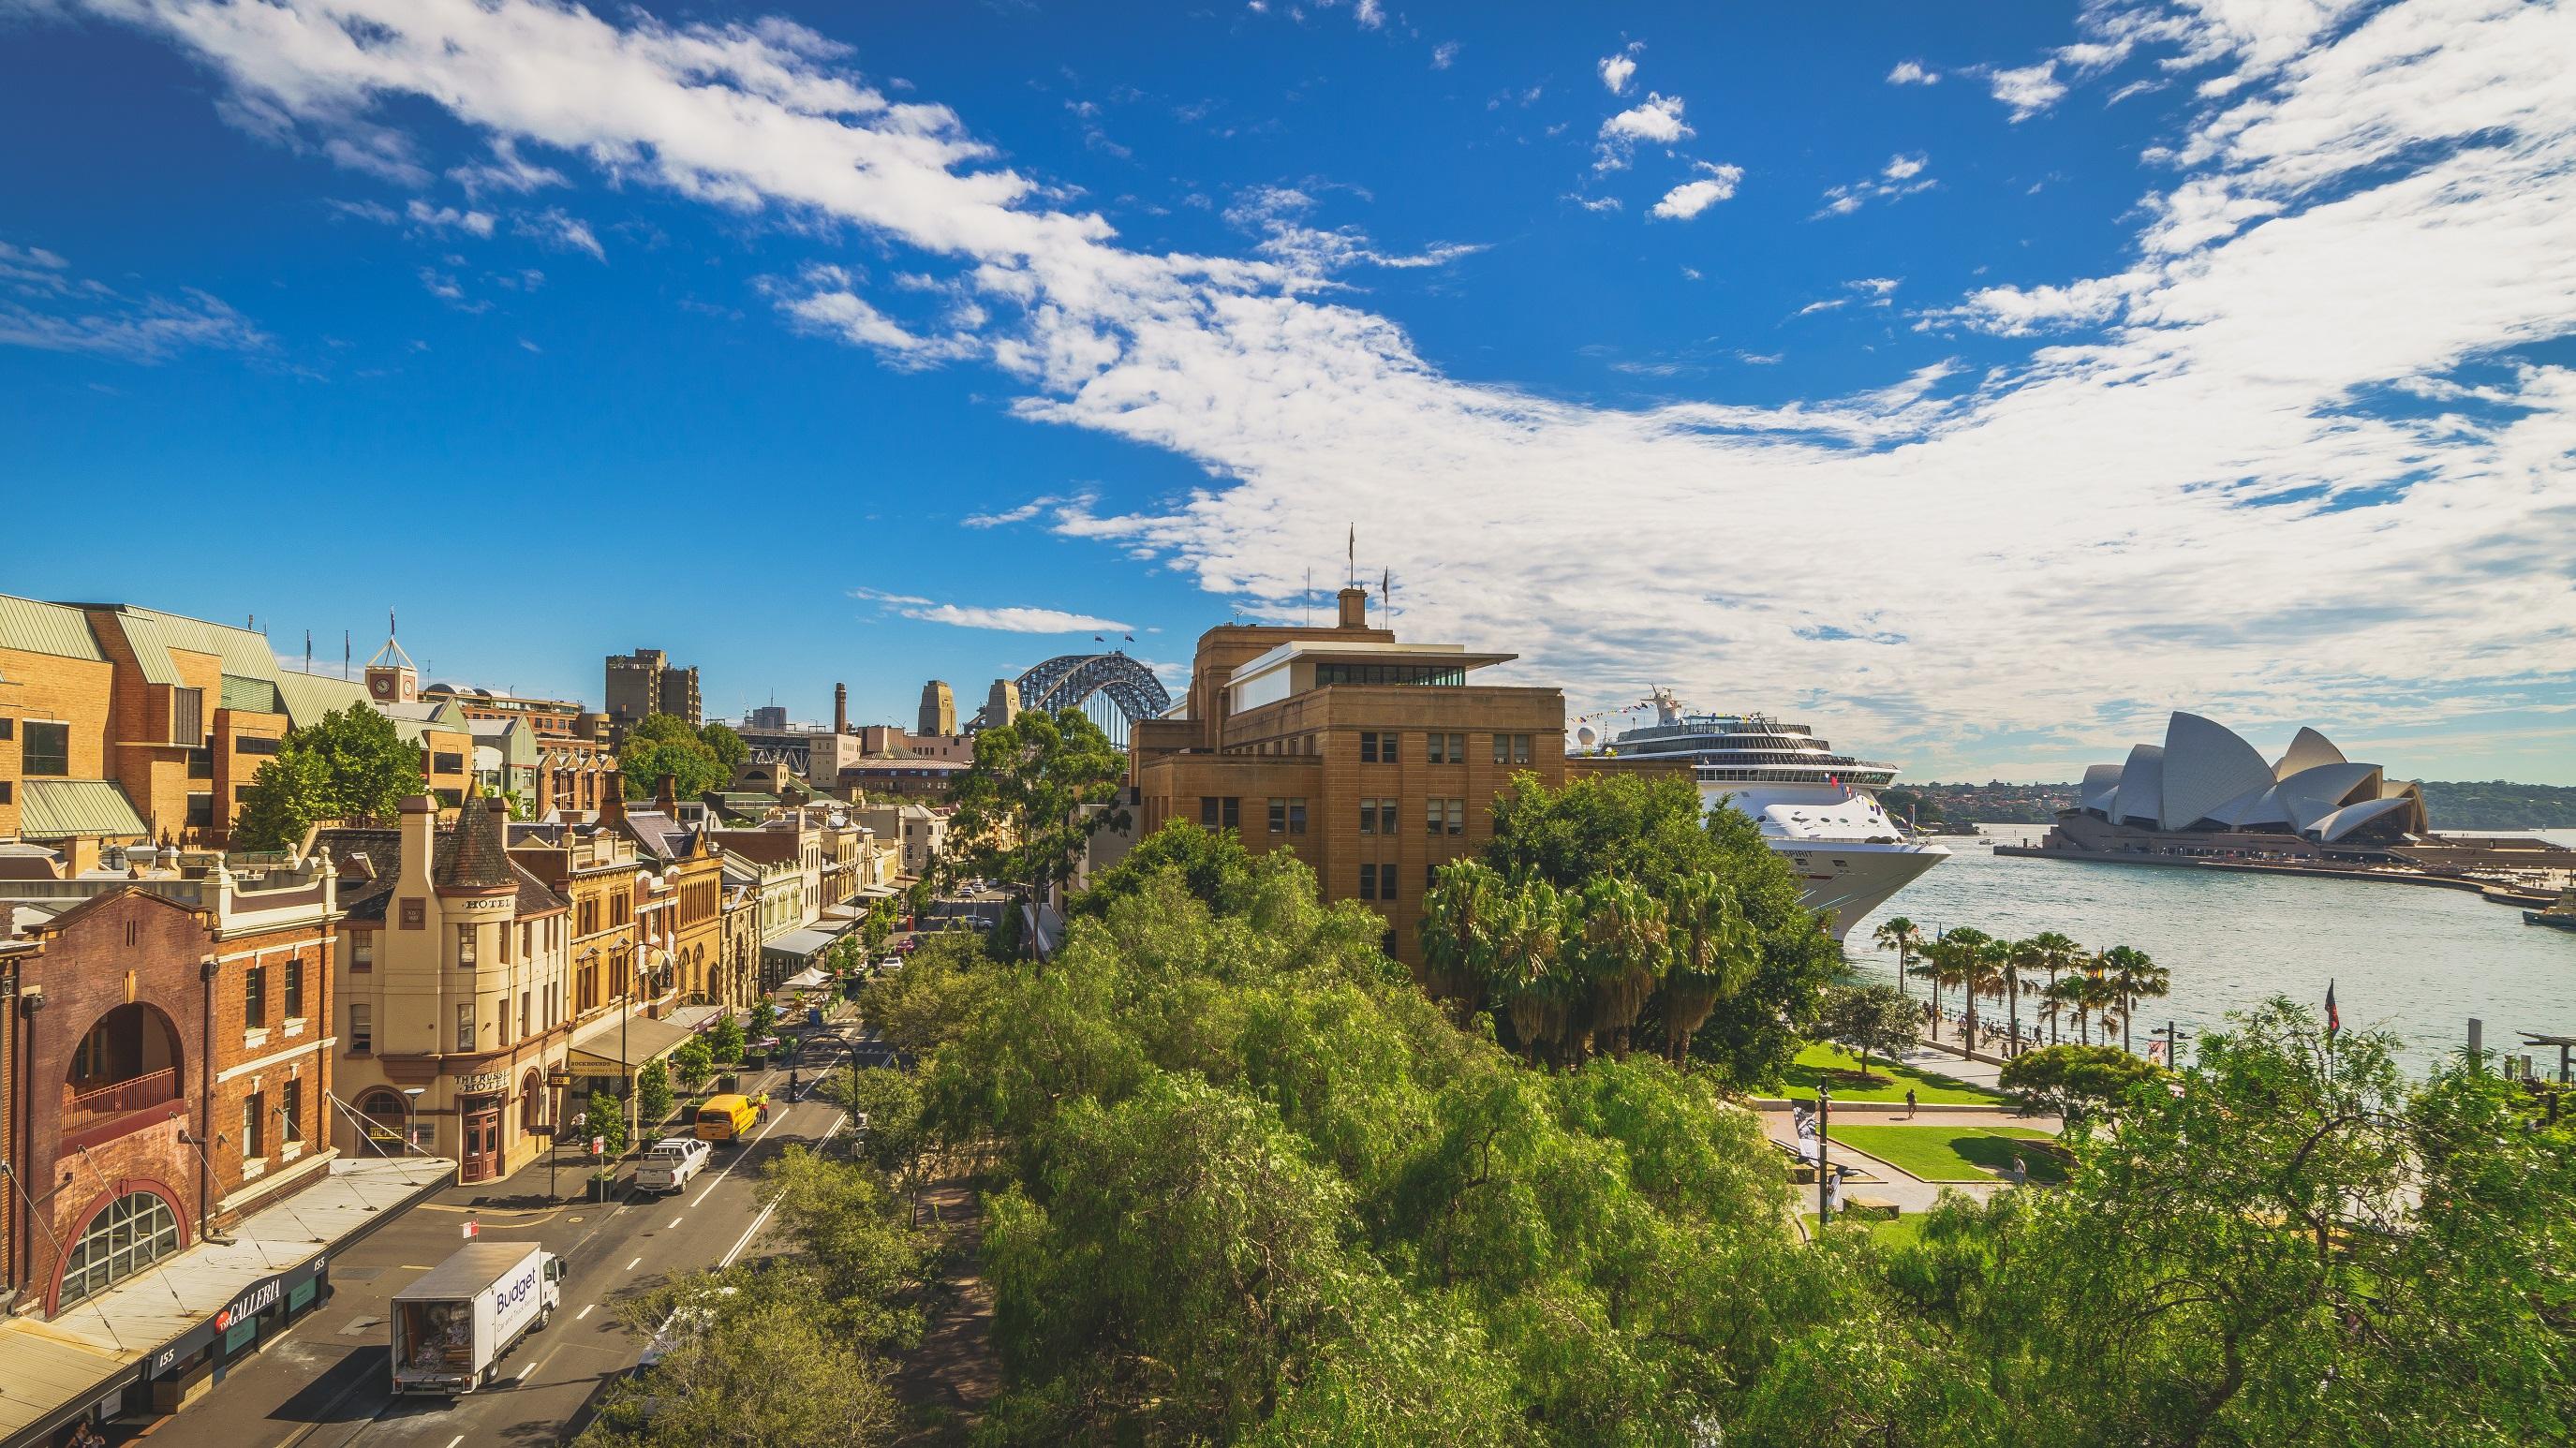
[456,1321]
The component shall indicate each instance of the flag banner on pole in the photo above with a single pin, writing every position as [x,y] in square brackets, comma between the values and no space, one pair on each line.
[2334,1018]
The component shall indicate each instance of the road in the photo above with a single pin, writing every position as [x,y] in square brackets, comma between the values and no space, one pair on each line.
[325,1382]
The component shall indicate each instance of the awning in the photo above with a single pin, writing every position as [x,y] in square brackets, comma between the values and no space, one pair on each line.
[878,892]
[799,945]
[59,809]
[617,1049]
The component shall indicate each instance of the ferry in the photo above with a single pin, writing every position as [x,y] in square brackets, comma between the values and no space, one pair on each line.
[1818,809]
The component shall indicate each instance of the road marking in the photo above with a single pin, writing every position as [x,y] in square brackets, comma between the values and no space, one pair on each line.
[758,1222]
[675,1223]
[585,1312]
[631,1266]
[452,1442]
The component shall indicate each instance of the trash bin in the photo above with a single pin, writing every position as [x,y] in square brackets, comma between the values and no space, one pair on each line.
[813,1015]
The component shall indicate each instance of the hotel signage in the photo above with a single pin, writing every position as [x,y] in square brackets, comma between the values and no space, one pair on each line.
[483,1083]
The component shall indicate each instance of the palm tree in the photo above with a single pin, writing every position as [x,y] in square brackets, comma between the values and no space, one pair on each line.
[1904,937]
[2133,974]
[1714,952]
[1458,919]
[2057,955]
[2072,996]
[1958,967]
[1522,969]
[1980,972]
[2020,956]
[2104,994]
[2051,1006]
[1618,931]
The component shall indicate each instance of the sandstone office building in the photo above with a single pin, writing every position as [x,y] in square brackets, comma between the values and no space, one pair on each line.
[1375,761]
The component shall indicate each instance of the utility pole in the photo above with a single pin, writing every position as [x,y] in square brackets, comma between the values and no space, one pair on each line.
[1824,1179]
[2174,1036]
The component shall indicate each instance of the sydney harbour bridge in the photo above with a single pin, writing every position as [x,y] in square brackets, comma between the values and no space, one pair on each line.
[1112,689]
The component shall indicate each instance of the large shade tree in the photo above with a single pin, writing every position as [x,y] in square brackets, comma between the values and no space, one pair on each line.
[1040,787]
[350,765]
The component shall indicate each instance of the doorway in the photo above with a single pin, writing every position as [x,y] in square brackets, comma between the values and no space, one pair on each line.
[482,1155]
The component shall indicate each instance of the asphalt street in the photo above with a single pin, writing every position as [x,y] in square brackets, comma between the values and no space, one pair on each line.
[325,1382]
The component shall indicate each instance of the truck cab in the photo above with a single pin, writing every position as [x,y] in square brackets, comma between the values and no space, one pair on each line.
[670,1163]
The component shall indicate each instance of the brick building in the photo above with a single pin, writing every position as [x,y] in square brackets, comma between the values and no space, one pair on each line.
[1375,761]
[647,682]
[170,1063]
[687,934]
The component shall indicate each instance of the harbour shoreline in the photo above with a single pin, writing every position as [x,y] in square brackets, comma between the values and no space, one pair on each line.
[2492,892]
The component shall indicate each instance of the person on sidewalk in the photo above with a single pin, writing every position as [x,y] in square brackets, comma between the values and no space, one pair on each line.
[1909,1103]
[2020,1170]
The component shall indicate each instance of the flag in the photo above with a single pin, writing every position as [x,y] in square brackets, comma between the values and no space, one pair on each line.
[1095,638]
[1131,638]
[2334,1018]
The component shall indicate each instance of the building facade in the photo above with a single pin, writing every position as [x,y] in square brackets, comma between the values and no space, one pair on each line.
[170,1058]
[938,709]
[454,984]
[647,682]
[1375,761]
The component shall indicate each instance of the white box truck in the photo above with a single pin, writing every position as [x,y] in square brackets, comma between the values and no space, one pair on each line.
[452,1325]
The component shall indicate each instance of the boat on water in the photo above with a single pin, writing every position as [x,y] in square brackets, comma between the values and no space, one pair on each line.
[2558,914]
[1816,808]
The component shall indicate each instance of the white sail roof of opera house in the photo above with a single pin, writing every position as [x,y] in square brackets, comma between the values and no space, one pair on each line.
[2206,777]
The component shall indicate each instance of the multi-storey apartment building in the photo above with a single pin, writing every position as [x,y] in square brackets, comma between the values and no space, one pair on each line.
[647,682]
[454,985]
[547,752]
[170,1064]
[596,872]
[1375,761]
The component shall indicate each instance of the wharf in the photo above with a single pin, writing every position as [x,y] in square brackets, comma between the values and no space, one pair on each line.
[2491,891]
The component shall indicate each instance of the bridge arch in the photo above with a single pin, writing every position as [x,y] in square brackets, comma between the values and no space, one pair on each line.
[1115,690]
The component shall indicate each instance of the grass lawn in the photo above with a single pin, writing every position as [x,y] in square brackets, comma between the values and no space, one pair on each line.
[1887,1233]
[1955,1153]
[1885,1082]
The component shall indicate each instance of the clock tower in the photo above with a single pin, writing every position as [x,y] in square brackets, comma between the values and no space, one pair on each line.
[391,679]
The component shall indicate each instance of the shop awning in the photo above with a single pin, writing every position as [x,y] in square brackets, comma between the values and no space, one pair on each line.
[799,945]
[618,1049]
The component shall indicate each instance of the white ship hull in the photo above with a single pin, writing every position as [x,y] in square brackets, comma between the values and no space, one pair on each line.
[1846,853]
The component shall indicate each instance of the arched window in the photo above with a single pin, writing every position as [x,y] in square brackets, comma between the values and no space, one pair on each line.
[381,1114]
[532,1101]
[132,1233]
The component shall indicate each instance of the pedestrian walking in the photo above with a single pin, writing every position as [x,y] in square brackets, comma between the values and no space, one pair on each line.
[2020,1170]
[1909,1103]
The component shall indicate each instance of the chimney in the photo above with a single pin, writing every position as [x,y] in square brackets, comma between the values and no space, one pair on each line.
[1354,608]
[840,708]
[419,836]
[612,796]
[666,794]
[80,856]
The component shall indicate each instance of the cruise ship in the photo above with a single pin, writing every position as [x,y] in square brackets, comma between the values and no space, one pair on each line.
[1814,806]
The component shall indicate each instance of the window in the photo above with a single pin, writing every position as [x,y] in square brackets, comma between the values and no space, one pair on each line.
[1431,876]
[1457,816]
[1386,816]
[253,744]
[46,751]
[133,1232]
[1368,882]
[1220,812]
[1278,816]
[8,792]
[1296,816]
[201,764]
[1520,749]
[295,987]
[1368,816]
[524,998]
[465,1025]
[201,809]
[255,1126]
[1433,812]
[589,917]
[8,728]
[290,1113]
[527,938]
[241,794]
[1368,746]
[1457,749]
[1436,749]
[1502,749]
[446,763]
[415,913]
[464,945]
[255,997]
[362,950]
[187,715]
[362,1029]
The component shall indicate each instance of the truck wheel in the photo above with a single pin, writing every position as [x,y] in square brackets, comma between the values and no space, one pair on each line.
[544,1316]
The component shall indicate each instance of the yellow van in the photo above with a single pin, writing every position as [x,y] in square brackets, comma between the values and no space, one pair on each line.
[726,1118]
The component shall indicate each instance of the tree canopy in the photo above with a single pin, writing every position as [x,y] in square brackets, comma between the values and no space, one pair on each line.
[1039,788]
[661,744]
[348,765]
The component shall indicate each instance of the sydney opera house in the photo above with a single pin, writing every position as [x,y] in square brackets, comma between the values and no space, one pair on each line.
[2206,791]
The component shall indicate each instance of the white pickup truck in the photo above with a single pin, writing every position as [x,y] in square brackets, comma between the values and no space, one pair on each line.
[670,1164]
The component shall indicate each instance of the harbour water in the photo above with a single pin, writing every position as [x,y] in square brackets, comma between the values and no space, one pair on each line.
[2411,959]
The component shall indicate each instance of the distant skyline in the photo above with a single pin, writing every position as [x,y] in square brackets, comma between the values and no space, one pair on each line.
[1975,387]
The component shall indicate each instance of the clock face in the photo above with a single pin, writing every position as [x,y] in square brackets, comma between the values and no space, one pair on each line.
[383,686]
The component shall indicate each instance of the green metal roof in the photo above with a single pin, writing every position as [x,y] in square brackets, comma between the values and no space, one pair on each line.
[243,652]
[55,809]
[251,695]
[47,628]
[310,696]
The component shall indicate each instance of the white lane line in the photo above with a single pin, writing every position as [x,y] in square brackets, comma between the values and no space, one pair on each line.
[585,1312]
[675,1222]
[631,1266]
[758,1222]
[452,1442]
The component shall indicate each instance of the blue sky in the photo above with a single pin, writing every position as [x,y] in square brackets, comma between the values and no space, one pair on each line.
[1977,386]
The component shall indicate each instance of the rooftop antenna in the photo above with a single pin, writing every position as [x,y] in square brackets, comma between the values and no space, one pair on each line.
[1351,579]
[345,652]
[308,651]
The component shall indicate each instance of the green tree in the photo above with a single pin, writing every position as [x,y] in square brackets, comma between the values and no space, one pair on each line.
[1216,866]
[693,1063]
[2056,954]
[898,1139]
[725,744]
[1870,1019]
[2133,976]
[349,765]
[876,932]
[661,744]
[764,1020]
[769,1373]
[1904,937]
[653,1095]
[605,1118]
[725,1039]
[2075,1080]
[1039,788]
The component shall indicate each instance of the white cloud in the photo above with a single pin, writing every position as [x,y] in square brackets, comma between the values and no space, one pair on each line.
[1658,121]
[1693,197]
[1595,203]
[1911,72]
[45,305]
[1008,619]
[1444,55]
[448,218]
[2197,505]
[1901,177]
[1618,70]
[504,172]
[1877,287]
[2028,90]
[1903,168]
[1835,304]
[553,224]
[1370,14]
[1277,214]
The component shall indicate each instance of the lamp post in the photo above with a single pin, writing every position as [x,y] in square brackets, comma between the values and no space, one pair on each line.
[556,1080]
[1824,1124]
[411,1128]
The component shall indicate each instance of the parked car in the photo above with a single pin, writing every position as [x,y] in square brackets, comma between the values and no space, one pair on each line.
[670,1164]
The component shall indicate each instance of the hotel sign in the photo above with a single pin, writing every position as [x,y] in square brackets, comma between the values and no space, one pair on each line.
[483,1083]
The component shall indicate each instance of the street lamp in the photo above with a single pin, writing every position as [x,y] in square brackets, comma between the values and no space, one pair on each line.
[1824,1122]
[411,1130]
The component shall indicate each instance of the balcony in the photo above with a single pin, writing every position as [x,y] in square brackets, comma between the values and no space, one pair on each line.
[102,1113]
